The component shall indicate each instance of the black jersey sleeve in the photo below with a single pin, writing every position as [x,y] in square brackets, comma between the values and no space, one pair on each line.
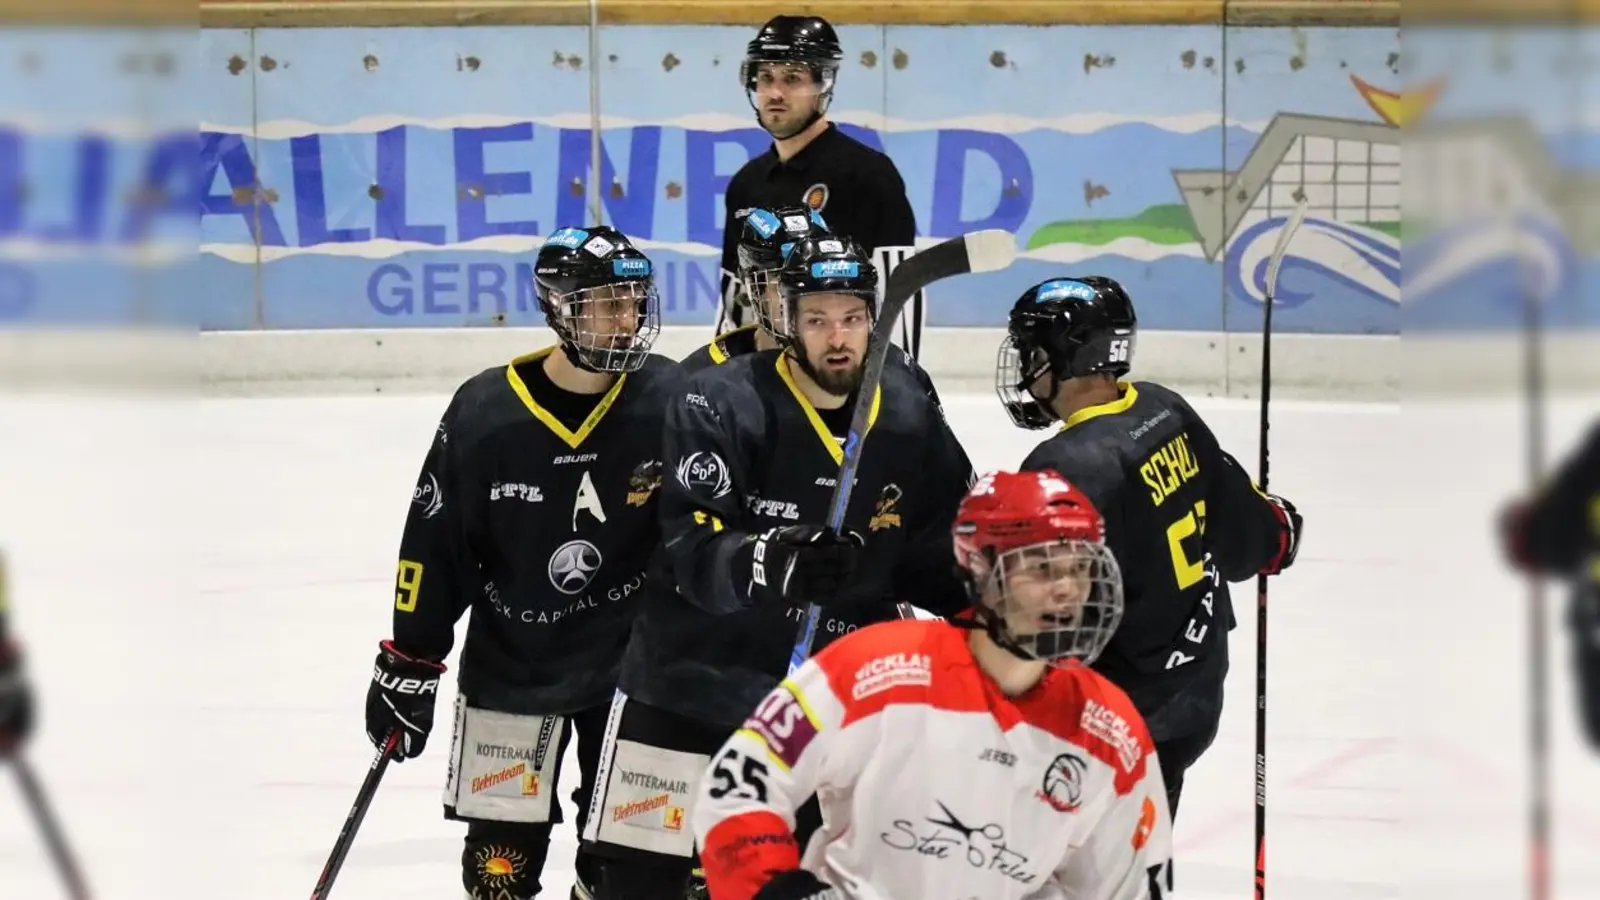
[925,574]
[895,224]
[706,457]
[1564,518]
[1242,530]
[924,380]
[431,590]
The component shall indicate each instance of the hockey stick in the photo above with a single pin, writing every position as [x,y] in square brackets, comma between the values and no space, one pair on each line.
[60,854]
[1538,663]
[1273,265]
[980,251]
[347,834]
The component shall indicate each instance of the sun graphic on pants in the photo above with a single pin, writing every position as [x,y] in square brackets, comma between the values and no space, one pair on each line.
[500,866]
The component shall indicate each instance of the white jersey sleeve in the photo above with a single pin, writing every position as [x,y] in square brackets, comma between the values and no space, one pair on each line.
[1128,855]
[744,815]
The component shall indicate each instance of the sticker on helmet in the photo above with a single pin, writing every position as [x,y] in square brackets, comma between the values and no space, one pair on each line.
[796,224]
[630,268]
[783,252]
[764,222]
[1063,289]
[568,237]
[816,197]
[835,268]
[830,246]
[600,247]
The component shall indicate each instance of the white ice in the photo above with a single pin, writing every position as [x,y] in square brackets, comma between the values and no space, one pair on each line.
[201,586]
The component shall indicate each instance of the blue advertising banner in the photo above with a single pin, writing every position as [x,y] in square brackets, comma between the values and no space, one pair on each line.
[402,177]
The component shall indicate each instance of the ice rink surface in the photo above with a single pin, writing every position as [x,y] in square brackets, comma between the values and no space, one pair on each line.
[202,585]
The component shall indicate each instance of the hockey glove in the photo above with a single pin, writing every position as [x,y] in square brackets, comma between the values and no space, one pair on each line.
[802,564]
[798,884]
[16,701]
[1288,540]
[401,696]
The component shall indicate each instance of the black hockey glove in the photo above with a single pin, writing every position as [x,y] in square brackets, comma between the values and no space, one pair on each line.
[16,701]
[401,696]
[1289,540]
[798,884]
[800,564]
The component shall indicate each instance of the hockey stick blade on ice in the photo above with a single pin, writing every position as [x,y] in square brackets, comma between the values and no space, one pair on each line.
[55,841]
[979,251]
[1274,264]
[358,811]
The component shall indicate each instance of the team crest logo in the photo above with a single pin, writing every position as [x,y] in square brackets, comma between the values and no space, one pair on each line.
[1063,783]
[643,482]
[705,470]
[816,196]
[573,565]
[887,512]
[426,495]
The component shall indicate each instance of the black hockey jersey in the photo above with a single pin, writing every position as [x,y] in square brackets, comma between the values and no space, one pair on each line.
[722,348]
[1182,519]
[745,451]
[1561,533]
[542,530]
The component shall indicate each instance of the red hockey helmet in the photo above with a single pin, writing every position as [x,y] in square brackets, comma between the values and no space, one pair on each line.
[1042,581]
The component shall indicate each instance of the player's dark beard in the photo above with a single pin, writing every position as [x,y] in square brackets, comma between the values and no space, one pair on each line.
[839,384]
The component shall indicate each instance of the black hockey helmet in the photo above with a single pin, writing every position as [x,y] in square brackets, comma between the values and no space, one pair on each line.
[1066,328]
[826,264]
[766,238]
[587,276]
[797,40]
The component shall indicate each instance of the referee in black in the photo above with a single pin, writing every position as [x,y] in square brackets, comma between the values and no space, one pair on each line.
[788,75]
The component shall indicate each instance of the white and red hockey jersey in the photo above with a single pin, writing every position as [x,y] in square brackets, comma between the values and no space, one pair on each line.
[936,786]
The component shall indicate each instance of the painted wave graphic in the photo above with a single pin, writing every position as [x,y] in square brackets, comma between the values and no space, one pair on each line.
[1529,253]
[1361,258]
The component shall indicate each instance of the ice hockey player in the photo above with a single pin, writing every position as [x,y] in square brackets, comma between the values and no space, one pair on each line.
[1557,532]
[765,236]
[536,511]
[978,757]
[752,453]
[1183,518]
[16,696]
[788,76]
[768,236]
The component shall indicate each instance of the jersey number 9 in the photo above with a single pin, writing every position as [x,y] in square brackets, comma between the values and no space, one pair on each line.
[406,584]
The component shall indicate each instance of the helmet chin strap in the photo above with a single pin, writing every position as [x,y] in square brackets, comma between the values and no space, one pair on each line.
[988,621]
[824,99]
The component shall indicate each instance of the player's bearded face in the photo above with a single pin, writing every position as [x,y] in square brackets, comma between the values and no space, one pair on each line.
[785,96]
[834,330]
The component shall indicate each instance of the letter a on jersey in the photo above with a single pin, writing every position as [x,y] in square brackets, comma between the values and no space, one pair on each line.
[588,499]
